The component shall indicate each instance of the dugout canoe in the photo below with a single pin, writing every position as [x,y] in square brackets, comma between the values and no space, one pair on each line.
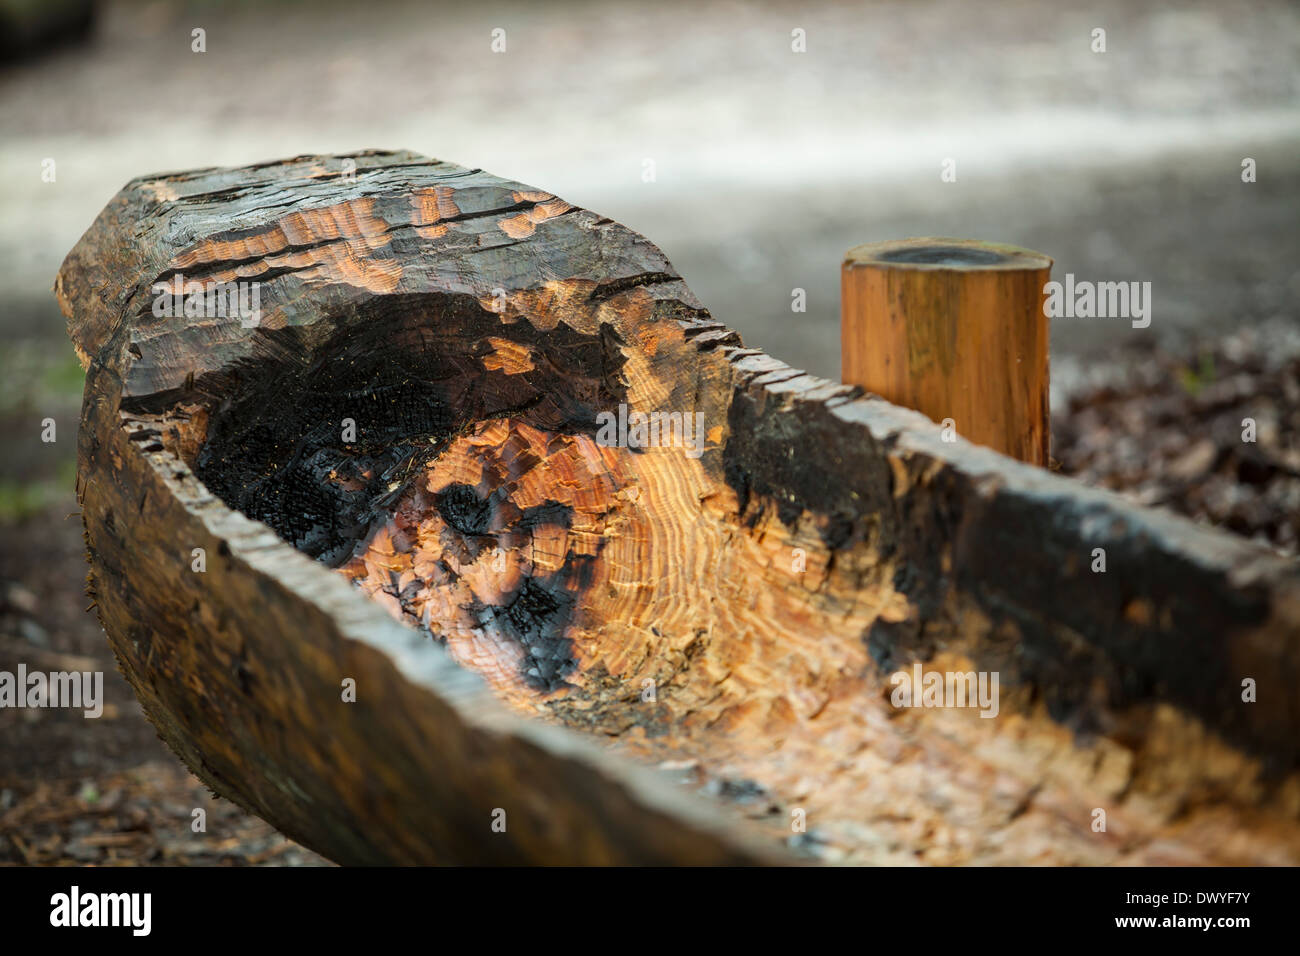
[375,574]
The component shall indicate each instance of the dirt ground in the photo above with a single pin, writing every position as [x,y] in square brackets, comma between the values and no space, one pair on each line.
[769,165]
[75,790]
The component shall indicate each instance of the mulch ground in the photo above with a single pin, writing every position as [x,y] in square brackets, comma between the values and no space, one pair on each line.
[1170,430]
[105,791]
[137,817]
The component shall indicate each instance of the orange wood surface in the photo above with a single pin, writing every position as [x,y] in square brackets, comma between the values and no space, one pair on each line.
[954,329]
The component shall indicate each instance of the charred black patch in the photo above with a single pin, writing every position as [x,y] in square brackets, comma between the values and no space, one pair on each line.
[612,287]
[476,523]
[774,459]
[538,613]
[547,513]
[463,509]
[1182,654]
[893,645]
[739,789]
[277,447]
[537,616]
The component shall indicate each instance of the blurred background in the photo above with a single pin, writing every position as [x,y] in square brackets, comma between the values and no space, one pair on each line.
[1123,165]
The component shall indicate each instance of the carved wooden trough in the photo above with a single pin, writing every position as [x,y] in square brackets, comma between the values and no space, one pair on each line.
[376,575]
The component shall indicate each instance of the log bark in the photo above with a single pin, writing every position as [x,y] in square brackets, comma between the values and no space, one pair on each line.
[535,616]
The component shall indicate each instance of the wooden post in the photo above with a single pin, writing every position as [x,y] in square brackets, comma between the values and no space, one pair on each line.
[954,328]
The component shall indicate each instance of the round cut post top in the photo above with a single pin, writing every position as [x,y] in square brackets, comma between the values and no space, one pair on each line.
[930,253]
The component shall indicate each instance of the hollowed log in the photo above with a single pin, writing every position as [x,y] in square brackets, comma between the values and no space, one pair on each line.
[402,477]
